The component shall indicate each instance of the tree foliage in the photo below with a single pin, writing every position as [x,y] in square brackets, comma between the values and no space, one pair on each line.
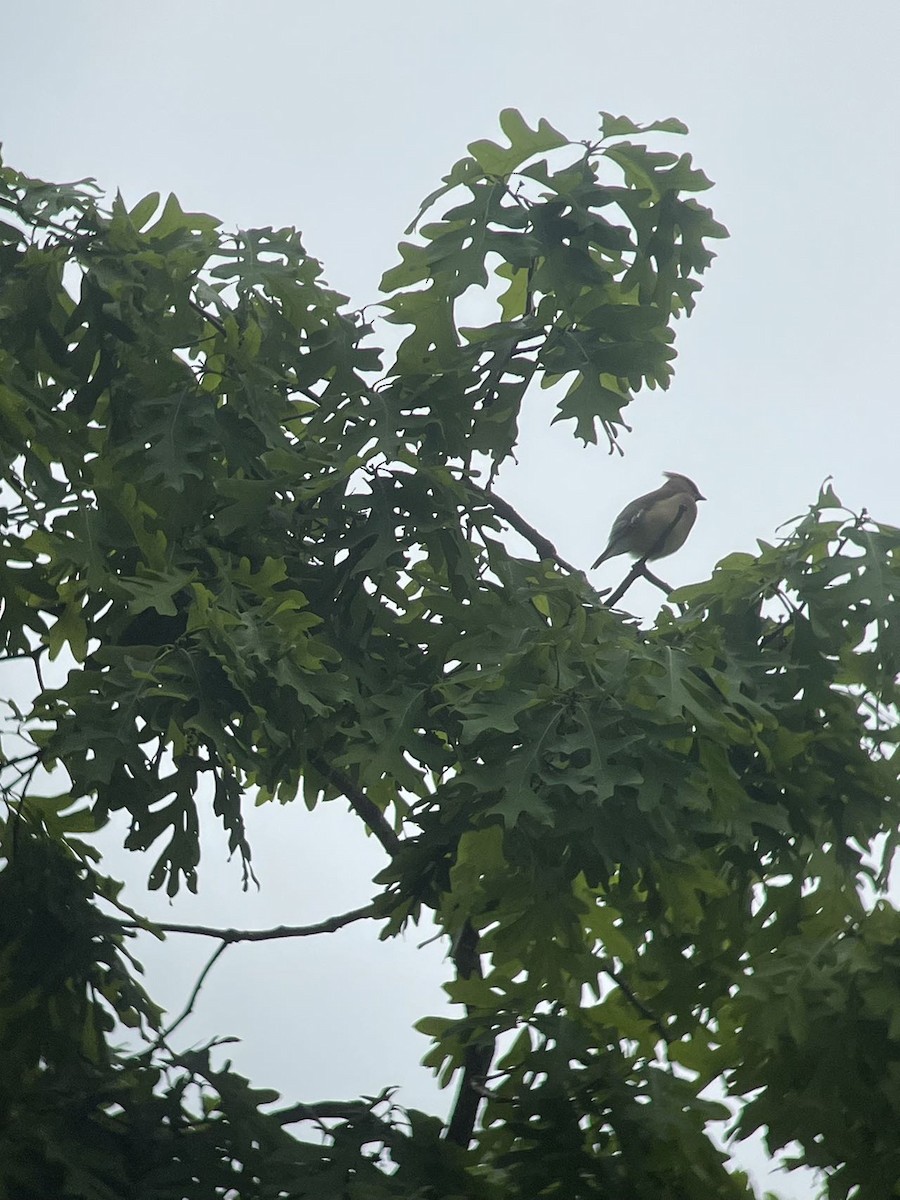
[270,567]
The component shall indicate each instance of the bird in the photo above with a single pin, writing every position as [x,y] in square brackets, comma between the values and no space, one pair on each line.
[655,525]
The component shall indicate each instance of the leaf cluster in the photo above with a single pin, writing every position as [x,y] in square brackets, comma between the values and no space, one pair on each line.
[587,269]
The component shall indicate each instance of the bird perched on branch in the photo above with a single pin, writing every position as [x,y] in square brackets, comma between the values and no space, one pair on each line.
[657,524]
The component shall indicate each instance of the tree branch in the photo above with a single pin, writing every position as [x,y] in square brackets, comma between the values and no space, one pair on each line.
[326,1110]
[216,322]
[365,809]
[228,936]
[655,579]
[478,1055]
[189,1007]
[544,546]
[634,1000]
[640,567]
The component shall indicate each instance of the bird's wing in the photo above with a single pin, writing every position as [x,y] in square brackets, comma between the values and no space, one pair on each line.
[630,515]
[621,528]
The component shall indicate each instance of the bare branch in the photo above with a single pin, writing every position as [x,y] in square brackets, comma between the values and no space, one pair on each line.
[215,321]
[21,758]
[365,809]
[544,546]
[326,1110]
[655,579]
[189,1007]
[641,568]
[229,936]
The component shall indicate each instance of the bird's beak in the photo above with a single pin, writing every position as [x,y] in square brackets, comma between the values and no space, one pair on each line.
[699,497]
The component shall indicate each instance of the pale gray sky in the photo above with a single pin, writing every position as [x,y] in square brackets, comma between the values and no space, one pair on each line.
[339,119]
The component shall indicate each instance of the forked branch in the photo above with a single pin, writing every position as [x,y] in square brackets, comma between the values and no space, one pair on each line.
[640,567]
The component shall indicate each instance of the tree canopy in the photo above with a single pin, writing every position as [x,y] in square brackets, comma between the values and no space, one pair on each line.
[267,561]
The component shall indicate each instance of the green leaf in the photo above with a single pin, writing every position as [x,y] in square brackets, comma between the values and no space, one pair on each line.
[174,219]
[523,144]
[144,210]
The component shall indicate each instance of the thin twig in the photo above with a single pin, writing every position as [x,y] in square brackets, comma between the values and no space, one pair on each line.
[607,968]
[39,673]
[216,322]
[20,758]
[229,936]
[214,958]
[219,324]
[859,519]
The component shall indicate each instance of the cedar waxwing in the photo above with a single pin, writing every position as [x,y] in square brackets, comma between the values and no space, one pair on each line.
[640,524]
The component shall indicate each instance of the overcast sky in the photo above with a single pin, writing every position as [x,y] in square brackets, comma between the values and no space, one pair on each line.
[338,119]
